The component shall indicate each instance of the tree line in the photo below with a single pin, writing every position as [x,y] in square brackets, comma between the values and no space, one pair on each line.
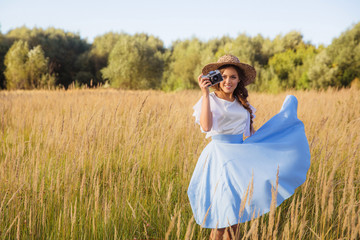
[51,58]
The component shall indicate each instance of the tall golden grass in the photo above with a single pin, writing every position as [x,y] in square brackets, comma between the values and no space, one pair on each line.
[108,164]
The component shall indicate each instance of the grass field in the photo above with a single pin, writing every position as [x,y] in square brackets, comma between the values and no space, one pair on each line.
[108,164]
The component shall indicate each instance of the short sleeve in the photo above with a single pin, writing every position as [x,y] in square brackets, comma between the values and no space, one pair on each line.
[197,111]
[247,132]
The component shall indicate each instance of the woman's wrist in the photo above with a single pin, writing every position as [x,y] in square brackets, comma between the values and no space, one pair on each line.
[205,92]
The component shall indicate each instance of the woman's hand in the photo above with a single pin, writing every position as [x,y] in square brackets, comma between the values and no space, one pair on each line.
[204,84]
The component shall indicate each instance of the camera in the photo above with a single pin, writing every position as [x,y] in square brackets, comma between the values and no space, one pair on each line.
[214,77]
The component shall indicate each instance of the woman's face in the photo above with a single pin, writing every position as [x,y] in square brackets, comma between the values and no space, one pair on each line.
[231,80]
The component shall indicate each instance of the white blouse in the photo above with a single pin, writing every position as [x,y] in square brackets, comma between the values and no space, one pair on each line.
[228,117]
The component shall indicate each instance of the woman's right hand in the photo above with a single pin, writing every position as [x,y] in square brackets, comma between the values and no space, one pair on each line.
[204,84]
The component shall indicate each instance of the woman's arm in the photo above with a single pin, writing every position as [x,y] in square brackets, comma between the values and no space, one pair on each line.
[206,115]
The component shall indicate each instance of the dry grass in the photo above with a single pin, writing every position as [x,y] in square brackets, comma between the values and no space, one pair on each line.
[106,164]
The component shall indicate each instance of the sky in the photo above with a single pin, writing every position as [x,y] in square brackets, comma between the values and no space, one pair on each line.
[319,21]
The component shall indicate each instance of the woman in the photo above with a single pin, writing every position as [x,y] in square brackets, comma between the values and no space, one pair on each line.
[234,180]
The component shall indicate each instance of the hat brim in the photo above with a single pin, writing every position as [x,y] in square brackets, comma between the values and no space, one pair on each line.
[249,71]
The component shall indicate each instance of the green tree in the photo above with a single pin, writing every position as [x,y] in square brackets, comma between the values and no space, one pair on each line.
[291,40]
[240,47]
[85,70]
[37,69]
[338,64]
[97,58]
[322,74]
[26,69]
[60,47]
[344,53]
[274,79]
[15,63]
[184,67]
[4,47]
[289,68]
[136,62]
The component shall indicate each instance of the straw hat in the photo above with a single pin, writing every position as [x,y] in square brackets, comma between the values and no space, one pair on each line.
[228,59]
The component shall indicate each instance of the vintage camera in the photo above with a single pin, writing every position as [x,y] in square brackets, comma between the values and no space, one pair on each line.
[214,77]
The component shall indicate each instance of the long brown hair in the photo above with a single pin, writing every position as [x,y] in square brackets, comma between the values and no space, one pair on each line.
[240,92]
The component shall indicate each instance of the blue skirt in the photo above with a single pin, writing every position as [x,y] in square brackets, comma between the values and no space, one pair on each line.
[234,179]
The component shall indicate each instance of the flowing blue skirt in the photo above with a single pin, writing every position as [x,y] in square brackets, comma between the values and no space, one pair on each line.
[234,179]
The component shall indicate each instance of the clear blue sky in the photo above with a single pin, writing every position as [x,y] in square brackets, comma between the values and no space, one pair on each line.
[318,20]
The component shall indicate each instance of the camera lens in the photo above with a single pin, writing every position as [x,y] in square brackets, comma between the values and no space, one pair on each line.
[215,78]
